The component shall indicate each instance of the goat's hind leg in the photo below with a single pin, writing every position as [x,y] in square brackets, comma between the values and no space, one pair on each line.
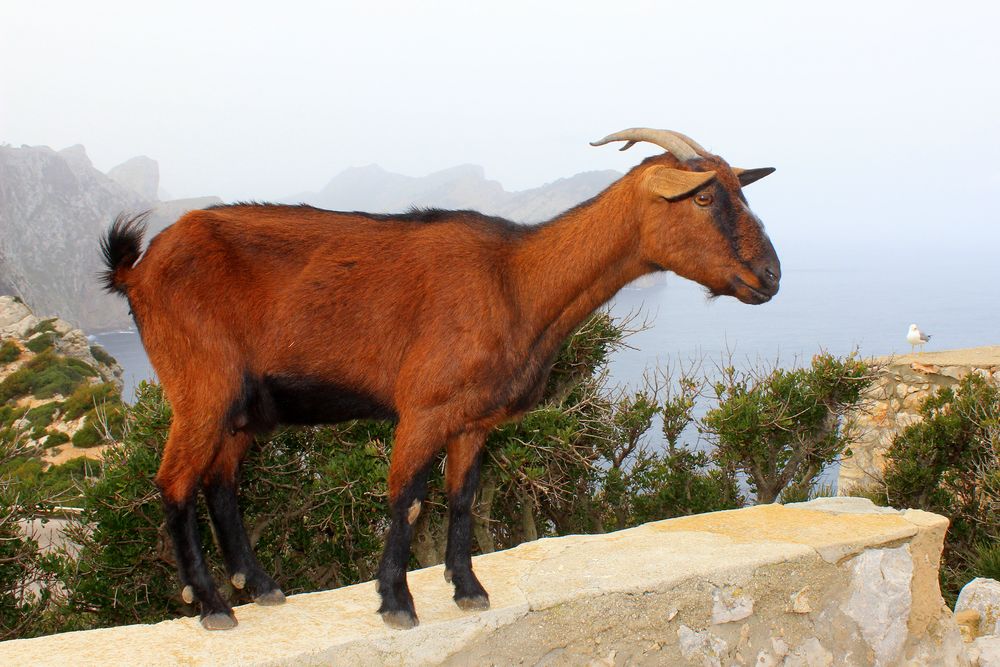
[465,454]
[185,458]
[219,488]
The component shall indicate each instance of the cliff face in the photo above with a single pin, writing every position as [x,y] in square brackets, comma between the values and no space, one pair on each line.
[54,206]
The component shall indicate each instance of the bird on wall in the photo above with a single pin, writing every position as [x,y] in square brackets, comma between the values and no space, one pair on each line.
[916,338]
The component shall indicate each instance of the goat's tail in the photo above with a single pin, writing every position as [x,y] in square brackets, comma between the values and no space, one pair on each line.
[121,248]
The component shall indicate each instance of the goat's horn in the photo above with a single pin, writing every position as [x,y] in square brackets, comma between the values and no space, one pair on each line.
[683,147]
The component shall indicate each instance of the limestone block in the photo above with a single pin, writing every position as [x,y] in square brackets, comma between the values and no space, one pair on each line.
[954,372]
[880,600]
[730,605]
[982,595]
[810,654]
[985,652]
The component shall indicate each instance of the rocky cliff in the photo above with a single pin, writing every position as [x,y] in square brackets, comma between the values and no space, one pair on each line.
[54,205]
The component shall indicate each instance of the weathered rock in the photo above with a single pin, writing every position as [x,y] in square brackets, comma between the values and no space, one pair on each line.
[642,596]
[985,652]
[880,600]
[730,605]
[983,596]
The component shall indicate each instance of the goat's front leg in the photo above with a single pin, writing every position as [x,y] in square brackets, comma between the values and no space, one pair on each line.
[412,454]
[465,456]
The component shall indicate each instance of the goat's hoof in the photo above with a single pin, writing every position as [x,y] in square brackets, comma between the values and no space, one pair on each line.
[219,621]
[270,598]
[400,620]
[474,603]
[447,574]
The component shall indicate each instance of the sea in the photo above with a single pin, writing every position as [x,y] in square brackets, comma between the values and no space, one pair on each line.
[866,310]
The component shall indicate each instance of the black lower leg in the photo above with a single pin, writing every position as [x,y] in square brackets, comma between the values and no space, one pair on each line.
[182,525]
[469,593]
[244,570]
[397,603]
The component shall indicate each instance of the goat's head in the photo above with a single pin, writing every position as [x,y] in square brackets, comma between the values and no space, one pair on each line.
[695,221]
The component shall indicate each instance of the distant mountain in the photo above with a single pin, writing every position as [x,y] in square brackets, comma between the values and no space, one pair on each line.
[54,206]
[376,190]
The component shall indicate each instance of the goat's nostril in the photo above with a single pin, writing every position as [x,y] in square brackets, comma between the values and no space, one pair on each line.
[770,275]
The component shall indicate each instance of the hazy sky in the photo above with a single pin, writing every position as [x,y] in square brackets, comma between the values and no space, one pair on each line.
[883,118]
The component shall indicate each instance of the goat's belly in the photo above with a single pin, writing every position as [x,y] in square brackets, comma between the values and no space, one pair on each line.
[303,400]
[268,401]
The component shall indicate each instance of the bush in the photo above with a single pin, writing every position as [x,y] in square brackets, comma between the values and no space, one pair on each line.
[46,375]
[88,396]
[948,464]
[101,355]
[782,427]
[41,327]
[55,438]
[9,351]
[99,424]
[23,567]
[41,416]
[41,343]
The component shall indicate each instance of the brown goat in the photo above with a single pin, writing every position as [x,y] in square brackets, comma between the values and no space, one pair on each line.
[445,321]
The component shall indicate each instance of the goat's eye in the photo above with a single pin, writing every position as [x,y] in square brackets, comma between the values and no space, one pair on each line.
[703,199]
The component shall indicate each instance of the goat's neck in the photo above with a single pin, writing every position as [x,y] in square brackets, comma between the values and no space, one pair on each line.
[568,267]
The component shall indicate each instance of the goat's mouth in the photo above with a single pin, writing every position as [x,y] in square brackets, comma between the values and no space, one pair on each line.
[752,295]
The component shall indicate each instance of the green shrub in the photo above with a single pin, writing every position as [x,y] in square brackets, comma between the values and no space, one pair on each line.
[55,438]
[9,351]
[41,416]
[101,355]
[41,343]
[87,396]
[10,414]
[43,326]
[89,434]
[948,464]
[46,375]
[783,427]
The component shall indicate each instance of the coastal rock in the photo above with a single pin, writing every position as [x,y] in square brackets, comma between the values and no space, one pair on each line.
[983,596]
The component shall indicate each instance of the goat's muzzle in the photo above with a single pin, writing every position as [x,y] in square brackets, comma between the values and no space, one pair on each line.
[768,280]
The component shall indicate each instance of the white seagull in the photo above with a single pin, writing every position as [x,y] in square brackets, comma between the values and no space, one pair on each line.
[916,337]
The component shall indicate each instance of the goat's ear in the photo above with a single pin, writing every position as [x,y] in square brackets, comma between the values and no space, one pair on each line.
[748,176]
[676,183]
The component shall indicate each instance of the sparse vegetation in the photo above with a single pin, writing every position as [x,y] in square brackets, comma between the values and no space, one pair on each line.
[101,355]
[9,351]
[41,343]
[45,376]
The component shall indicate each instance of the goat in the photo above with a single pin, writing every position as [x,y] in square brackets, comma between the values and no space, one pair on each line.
[446,322]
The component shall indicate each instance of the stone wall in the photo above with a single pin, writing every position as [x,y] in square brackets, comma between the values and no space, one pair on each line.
[835,581]
[895,401]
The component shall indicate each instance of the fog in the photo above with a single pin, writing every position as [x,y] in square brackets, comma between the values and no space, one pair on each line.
[883,119]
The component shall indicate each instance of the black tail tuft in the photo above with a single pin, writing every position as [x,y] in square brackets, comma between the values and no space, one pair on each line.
[121,248]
